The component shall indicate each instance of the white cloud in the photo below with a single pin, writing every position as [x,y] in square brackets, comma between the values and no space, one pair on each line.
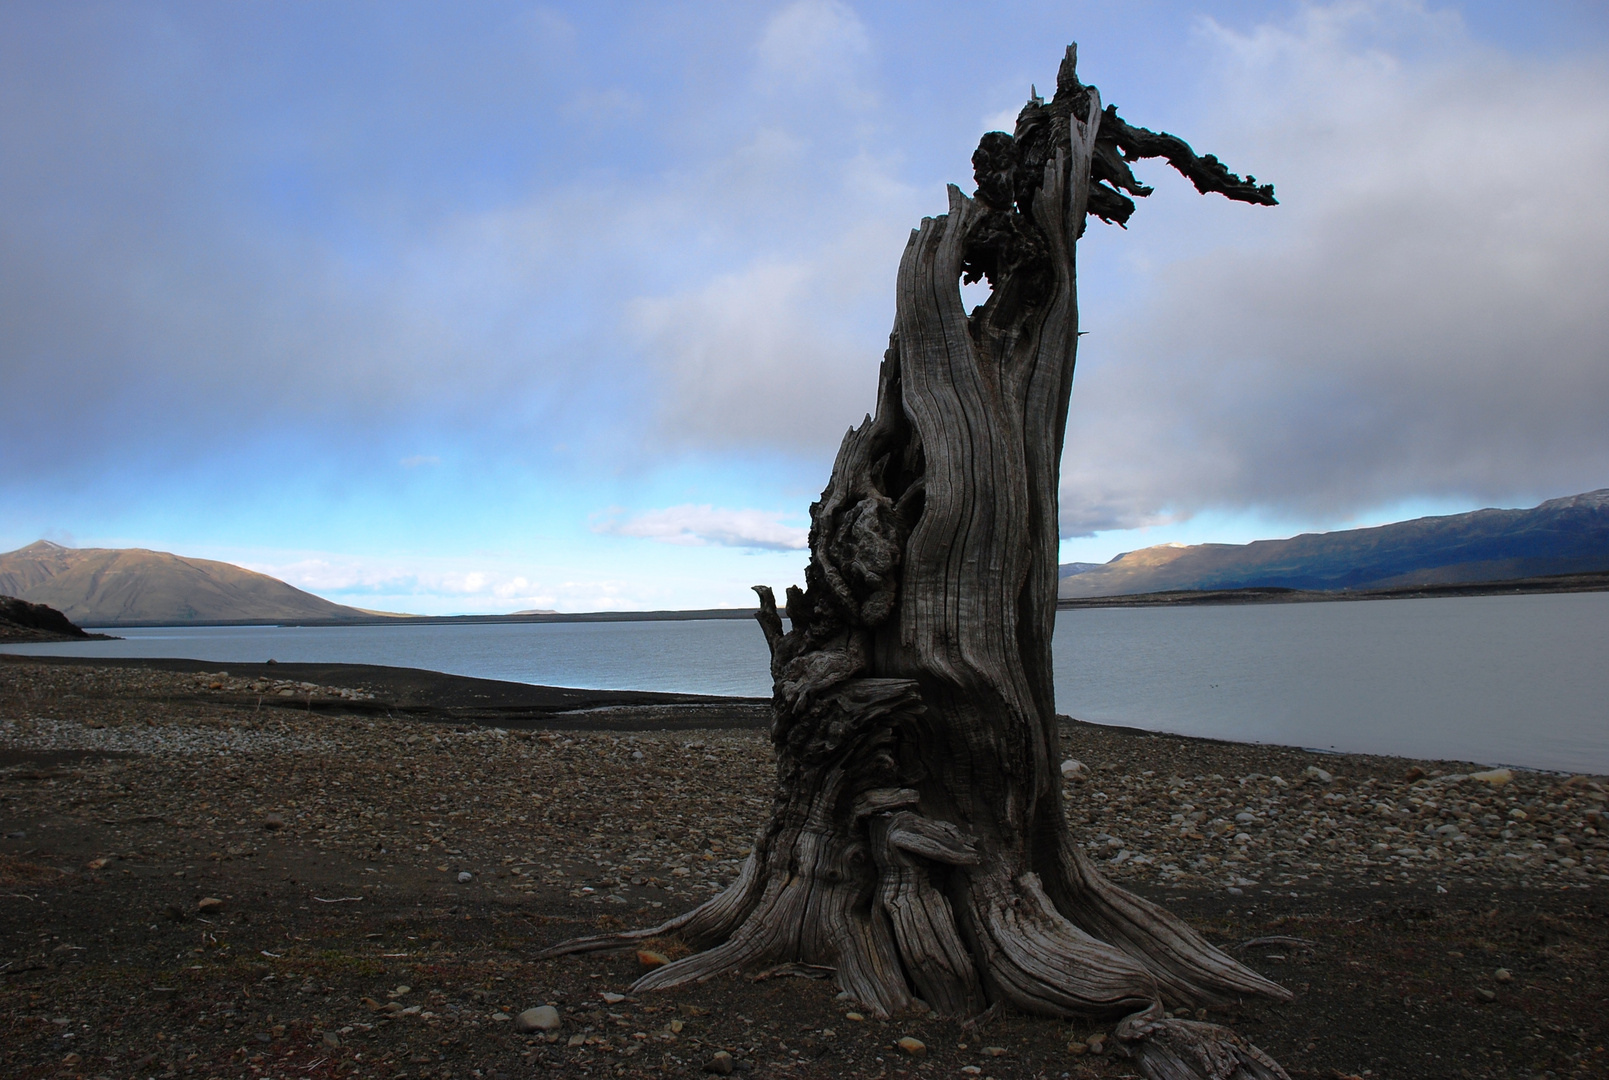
[1423,316]
[812,43]
[1004,120]
[748,359]
[701,526]
[777,345]
[411,576]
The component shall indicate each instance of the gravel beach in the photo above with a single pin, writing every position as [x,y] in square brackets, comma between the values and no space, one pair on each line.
[245,873]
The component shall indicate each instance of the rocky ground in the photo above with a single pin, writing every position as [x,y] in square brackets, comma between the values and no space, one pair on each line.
[252,875]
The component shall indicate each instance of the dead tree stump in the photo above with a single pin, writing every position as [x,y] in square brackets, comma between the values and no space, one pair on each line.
[918,843]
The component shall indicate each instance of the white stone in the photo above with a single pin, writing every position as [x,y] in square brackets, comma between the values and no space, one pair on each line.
[541,1018]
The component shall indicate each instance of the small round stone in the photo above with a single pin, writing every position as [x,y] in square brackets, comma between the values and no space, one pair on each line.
[541,1018]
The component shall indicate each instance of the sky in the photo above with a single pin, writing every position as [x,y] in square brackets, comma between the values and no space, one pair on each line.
[484,307]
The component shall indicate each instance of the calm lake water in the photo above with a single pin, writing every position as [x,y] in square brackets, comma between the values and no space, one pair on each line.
[1518,680]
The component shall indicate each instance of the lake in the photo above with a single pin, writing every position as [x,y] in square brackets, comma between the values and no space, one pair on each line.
[1516,680]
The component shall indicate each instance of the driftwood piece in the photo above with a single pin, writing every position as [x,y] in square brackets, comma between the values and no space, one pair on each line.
[918,844]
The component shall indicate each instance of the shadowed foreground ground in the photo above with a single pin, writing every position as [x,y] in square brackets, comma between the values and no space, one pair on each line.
[333,823]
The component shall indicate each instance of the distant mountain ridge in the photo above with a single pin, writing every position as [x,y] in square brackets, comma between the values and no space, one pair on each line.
[1561,536]
[133,587]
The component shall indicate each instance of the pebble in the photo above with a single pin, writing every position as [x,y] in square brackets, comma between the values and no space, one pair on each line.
[912,1046]
[1494,777]
[465,877]
[650,959]
[273,822]
[611,998]
[1073,769]
[541,1018]
[994,1051]
[1503,975]
[209,903]
[720,1063]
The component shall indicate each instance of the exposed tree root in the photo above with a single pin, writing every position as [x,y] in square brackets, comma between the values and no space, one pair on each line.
[708,924]
[1039,962]
[1167,1049]
[1187,970]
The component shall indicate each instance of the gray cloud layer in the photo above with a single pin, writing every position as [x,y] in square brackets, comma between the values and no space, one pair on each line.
[1422,317]
[414,231]
[1425,318]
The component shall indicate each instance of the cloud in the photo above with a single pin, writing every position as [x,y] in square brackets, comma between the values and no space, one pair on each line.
[427,585]
[348,258]
[746,360]
[702,526]
[1423,316]
[272,254]
[343,265]
[776,345]
[812,44]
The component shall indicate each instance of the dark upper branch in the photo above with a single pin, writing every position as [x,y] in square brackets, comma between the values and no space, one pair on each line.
[1206,172]
[1008,167]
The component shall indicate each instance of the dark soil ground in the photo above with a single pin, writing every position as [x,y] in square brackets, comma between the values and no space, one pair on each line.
[345,946]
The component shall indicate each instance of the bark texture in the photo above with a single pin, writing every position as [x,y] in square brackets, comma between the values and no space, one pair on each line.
[918,843]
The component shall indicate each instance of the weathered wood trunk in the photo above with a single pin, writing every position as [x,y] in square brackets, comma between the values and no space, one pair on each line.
[918,843]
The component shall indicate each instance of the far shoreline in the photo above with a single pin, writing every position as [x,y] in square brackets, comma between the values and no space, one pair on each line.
[1271,594]
[442,697]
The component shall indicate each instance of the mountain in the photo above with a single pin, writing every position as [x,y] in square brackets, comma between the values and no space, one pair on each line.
[134,587]
[1561,536]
